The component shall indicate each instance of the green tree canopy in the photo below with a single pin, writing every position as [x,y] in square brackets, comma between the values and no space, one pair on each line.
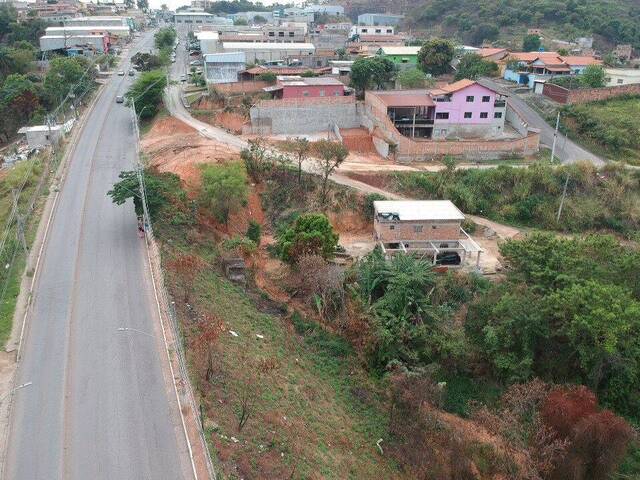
[165,38]
[472,66]
[593,76]
[224,188]
[531,43]
[67,75]
[310,234]
[435,56]
[413,78]
[146,93]
[372,72]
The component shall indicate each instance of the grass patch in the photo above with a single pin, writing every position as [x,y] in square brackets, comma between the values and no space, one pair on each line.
[610,125]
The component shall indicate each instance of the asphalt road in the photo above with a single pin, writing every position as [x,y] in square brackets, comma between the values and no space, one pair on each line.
[99,406]
[566,150]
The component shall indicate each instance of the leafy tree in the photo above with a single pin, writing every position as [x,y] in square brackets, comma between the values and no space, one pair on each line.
[593,76]
[330,156]
[259,20]
[165,37]
[341,53]
[240,21]
[310,234]
[146,93]
[160,189]
[472,66]
[412,78]
[224,188]
[531,43]
[482,32]
[563,52]
[268,77]
[257,160]
[19,98]
[67,75]
[371,72]
[146,62]
[435,56]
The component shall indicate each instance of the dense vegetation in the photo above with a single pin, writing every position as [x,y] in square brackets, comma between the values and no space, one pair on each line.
[616,21]
[146,93]
[612,125]
[608,199]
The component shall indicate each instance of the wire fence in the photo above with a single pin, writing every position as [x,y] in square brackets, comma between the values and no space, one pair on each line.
[168,307]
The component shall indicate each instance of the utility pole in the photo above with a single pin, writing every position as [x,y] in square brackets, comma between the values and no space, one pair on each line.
[564,194]
[555,137]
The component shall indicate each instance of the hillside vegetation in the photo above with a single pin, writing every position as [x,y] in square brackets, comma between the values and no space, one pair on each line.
[614,21]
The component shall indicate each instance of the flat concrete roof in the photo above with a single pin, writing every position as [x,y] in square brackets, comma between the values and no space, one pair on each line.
[412,210]
[404,98]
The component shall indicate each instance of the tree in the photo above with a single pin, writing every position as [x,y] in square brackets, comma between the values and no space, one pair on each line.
[20,97]
[310,234]
[593,76]
[531,43]
[341,53]
[472,66]
[563,52]
[412,78]
[371,71]
[67,75]
[482,32]
[257,160]
[259,20]
[146,62]
[300,148]
[240,21]
[224,188]
[146,93]
[160,188]
[165,37]
[268,77]
[435,56]
[330,156]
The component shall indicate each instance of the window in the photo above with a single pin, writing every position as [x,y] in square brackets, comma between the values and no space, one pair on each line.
[417,228]
[442,115]
[305,93]
[322,93]
[497,115]
[272,34]
[291,34]
[620,81]
[470,98]
[378,30]
[468,115]
[484,114]
[364,30]
[281,34]
[337,93]
[404,60]
[389,30]
[486,99]
[392,227]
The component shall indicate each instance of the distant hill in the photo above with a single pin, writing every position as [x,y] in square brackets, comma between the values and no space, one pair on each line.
[472,21]
[615,21]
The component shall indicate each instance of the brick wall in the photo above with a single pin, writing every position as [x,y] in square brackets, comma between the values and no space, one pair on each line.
[405,231]
[585,95]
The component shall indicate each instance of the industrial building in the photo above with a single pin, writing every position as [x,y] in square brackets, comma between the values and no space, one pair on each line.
[100,21]
[113,32]
[269,52]
[82,44]
[200,18]
[379,19]
[223,67]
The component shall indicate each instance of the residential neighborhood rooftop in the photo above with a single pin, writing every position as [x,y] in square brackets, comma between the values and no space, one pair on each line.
[268,46]
[398,50]
[405,98]
[411,210]
[308,81]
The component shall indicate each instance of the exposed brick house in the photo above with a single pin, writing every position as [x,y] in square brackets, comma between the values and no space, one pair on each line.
[302,87]
[426,228]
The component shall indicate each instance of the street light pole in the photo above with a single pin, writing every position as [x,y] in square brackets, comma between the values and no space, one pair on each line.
[555,137]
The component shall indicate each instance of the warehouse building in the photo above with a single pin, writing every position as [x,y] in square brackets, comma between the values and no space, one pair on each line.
[269,52]
[223,67]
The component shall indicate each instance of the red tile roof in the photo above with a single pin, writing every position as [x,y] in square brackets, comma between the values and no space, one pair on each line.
[584,60]
[488,52]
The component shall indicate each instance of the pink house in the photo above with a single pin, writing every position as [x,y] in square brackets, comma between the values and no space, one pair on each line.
[301,87]
[463,109]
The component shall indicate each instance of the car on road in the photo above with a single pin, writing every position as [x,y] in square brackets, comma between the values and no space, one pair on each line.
[119,99]
[195,63]
[121,73]
[131,73]
[183,78]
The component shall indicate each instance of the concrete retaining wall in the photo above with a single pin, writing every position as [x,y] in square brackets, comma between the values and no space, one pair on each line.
[303,116]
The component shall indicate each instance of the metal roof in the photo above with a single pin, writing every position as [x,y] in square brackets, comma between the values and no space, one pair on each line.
[411,210]
[404,98]
[393,50]
[308,81]
[229,57]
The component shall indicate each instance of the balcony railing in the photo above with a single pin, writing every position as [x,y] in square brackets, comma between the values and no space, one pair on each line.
[409,121]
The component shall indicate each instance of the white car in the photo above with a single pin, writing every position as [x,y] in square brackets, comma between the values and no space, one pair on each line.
[183,78]
[121,73]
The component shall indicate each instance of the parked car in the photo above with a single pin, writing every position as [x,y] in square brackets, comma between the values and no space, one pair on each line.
[121,73]
[119,99]
[448,258]
[183,78]
[196,63]
[131,73]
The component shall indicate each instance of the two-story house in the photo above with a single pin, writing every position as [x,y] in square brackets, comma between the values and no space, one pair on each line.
[425,228]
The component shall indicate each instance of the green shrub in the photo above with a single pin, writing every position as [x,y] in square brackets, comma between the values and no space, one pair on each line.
[254,232]
[310,234]
[368,203]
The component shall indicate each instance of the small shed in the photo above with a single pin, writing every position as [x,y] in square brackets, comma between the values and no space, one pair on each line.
[40,136]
